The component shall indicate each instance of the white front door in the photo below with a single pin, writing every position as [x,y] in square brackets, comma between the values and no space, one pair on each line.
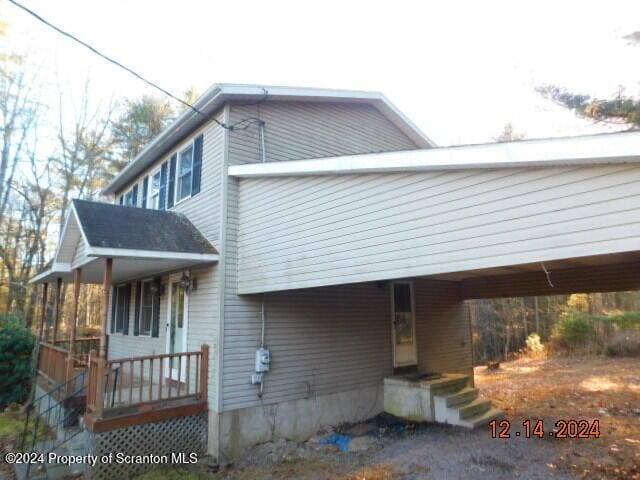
[177,323]
[403,324]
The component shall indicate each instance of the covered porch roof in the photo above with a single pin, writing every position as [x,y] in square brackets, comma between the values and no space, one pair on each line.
[142,243]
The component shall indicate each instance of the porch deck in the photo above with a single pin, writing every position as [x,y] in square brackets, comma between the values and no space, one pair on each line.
[128,391]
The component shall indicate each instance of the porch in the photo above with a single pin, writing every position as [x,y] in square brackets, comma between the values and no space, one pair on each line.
[97,246]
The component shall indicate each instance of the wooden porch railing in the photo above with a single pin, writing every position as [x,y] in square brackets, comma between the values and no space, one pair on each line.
[52,363]
[82,348]
[137,383]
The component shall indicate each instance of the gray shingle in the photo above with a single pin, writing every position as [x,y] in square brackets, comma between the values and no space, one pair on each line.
[114,226]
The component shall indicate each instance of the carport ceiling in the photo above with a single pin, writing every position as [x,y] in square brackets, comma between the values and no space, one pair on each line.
[555,265]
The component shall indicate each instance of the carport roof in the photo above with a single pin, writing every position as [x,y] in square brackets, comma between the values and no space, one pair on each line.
[608,148]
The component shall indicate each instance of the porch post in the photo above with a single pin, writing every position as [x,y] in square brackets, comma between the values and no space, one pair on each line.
[77,273]
[56,310]
[106,292]
[43,314]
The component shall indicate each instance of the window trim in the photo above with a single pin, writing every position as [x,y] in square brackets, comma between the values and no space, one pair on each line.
[140,334]
[179,153]
[115,304]
[153,173]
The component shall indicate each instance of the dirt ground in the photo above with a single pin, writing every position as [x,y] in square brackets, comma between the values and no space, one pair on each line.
[606,389]
[559,388]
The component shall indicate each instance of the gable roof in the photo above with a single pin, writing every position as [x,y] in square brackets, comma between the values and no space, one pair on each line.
[606,148]
[215,97]
[114,226]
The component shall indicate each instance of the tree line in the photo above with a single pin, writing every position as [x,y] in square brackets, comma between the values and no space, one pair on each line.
[56,146]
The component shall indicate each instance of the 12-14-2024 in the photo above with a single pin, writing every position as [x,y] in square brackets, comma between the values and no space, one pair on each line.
[536,429]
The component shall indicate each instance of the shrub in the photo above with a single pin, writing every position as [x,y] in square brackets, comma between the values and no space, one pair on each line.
[16,345]
[616,334]
[574,330]
[535,348]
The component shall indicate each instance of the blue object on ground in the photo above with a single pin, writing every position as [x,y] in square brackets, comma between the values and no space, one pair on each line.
[342,441]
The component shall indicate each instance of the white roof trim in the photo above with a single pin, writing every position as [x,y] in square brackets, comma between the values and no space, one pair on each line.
[215,97]
[150,254]
[583,150]
[57,269]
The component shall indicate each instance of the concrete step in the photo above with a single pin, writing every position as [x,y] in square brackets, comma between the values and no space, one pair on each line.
[449,385]
[465,395]
[473,408]
[482,419]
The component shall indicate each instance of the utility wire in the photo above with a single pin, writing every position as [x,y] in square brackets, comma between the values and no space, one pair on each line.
[248,121]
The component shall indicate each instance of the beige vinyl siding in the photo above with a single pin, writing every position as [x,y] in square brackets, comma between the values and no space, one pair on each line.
[442,327]
[299,130]
[323,230]
[303,362]
[79,254]
[322,341]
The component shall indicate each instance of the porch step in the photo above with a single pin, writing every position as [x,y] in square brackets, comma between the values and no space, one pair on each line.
[473,408]
[450,384]
[483,418]
[467,394]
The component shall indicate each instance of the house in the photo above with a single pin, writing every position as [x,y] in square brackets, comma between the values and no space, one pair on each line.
[277,253]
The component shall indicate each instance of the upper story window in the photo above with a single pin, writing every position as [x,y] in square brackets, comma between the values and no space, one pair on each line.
[130,198]
[185,173]
[154,191]
[176,179]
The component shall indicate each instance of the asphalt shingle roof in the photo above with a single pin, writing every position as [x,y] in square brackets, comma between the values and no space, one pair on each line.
[115,226]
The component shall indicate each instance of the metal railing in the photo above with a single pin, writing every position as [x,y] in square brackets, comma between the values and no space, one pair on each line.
[52,418]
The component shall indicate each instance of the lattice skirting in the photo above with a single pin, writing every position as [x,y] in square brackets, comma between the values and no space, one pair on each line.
[162,440]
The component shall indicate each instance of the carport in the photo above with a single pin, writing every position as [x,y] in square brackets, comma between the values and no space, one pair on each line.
[538,217]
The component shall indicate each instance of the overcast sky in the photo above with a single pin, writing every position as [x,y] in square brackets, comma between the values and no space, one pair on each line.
[459,70]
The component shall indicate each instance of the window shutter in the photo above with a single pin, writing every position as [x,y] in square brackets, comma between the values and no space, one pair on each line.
[155,321]
[135,195]
[121,199]
[127,301]
[136,323]
[163,187]
[172,180]
[145,191]
[197,165]
[113,309]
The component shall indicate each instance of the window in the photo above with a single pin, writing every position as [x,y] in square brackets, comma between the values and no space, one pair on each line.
[154,191]
[121,307]
[130,198]
[185,173]
[146,309]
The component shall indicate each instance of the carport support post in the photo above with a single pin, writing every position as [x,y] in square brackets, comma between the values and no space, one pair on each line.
[56,310]
[43,313]
[106,290]
[77,274]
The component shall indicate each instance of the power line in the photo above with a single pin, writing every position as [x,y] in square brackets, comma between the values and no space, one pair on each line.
[136,74]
